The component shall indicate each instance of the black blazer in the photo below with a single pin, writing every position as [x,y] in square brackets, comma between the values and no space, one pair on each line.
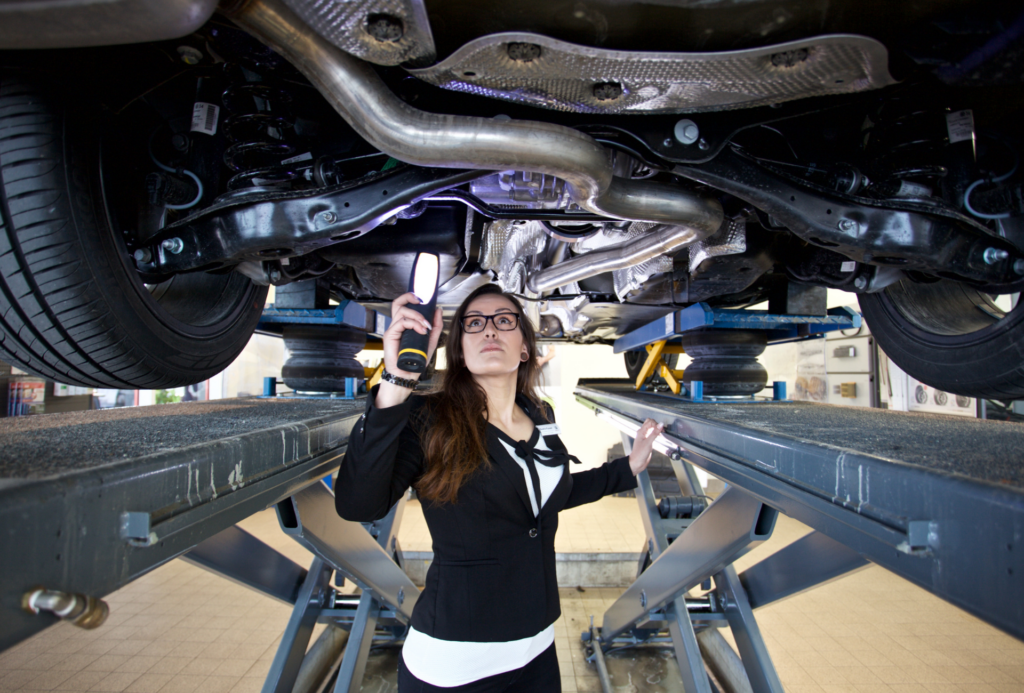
[493,574]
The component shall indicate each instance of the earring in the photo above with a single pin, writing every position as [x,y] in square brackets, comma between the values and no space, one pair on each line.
[524,357]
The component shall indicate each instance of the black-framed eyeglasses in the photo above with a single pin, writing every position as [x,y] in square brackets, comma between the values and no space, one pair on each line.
[506,322]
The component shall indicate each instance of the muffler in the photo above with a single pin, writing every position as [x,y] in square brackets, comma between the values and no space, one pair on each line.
[466,142]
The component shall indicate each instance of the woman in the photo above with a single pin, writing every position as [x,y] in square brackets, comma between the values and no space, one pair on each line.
[491,475]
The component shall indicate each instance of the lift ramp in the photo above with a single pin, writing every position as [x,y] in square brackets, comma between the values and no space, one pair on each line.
[90,501]
[938,500]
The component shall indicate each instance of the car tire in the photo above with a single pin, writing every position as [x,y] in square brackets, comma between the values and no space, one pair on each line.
[951,337]
[73,309]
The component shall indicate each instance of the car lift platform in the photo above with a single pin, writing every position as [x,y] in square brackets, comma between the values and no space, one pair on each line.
[91,500]
[938,500]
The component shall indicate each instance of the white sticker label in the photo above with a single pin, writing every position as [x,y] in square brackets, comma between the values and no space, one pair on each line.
[669,326]
[960,125]
[549,429]
[908,189]
[300,157]
[848,266]
[204,118]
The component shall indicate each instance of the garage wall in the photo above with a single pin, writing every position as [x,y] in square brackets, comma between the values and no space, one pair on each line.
[781,360]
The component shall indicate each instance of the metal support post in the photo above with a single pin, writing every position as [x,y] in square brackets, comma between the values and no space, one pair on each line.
[309,602]
[353,664]
[603,676]
[684,640]
[756,660]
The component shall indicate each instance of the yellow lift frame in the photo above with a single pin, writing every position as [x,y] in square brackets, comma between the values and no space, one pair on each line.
[656,364]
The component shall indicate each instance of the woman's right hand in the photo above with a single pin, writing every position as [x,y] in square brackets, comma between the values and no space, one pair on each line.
[404,318]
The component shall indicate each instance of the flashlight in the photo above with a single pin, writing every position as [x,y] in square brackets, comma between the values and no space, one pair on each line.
[412,348]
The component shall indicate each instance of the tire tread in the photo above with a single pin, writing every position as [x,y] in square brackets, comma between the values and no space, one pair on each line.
[61,316]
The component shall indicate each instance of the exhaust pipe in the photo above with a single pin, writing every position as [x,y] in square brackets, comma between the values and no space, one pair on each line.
[619,256]
[448,141]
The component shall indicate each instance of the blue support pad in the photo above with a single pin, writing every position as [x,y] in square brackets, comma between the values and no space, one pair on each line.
[779,390]
[780,328]
[345,313]
[697,390]
[270,387]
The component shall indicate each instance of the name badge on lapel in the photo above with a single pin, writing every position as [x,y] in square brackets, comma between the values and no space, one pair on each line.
[551,429]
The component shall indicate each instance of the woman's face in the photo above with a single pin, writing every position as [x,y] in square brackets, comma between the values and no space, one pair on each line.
[493,351]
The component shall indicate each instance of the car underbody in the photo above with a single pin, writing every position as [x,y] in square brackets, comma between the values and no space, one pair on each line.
[608,163]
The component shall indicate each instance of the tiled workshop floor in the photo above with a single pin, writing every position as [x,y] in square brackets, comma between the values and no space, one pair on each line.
[184,630]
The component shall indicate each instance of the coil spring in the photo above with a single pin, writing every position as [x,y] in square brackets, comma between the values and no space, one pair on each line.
[258,128]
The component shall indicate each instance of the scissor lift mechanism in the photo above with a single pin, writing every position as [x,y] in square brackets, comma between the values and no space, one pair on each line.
[937,500]
[946,511]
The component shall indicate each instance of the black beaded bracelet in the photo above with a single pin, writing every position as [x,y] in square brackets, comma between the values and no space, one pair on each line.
[395,380]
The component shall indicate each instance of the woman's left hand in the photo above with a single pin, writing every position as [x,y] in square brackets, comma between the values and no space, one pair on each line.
[643,444]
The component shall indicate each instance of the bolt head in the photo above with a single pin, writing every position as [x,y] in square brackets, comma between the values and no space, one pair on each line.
[861,283]
[703,145]
[994,255]
[143,255]
[328,217]
[180,142]
[173,245]
[686,131]
[847,225]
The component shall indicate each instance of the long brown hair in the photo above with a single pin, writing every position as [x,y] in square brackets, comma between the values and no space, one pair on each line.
[455,444]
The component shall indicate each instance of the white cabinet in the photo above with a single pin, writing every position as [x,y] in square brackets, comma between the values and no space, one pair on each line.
[850,364]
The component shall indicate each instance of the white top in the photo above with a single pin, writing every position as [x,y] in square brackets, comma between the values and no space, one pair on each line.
[548,476]
[448,663]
